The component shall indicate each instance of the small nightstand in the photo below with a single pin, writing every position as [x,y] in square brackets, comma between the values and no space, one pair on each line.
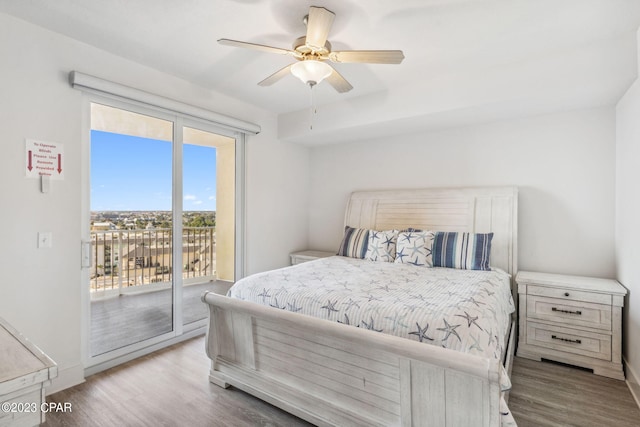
[571,319]
[304,256]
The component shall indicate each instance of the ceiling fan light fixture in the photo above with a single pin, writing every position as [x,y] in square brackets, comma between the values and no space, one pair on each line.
[313,48]
[310,71]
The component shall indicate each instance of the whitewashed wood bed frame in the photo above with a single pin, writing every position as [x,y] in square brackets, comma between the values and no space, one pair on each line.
[334,374]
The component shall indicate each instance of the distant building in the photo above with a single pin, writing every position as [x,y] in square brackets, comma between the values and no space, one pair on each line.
[103,226]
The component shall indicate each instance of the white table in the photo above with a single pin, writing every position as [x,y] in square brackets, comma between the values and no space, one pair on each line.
[24,373]
[304,256]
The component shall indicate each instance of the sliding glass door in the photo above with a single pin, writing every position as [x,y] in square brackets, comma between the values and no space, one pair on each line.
[162,225]
[208,218]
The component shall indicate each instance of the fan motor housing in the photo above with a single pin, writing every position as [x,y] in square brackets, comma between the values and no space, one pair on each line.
[300,46]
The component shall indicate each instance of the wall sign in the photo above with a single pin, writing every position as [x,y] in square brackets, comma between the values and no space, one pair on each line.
[44,159]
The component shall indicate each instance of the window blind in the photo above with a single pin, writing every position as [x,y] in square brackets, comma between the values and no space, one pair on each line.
[99,86]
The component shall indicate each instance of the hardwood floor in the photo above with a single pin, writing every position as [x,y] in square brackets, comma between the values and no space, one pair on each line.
[166,388]
[548,394]
[171,387]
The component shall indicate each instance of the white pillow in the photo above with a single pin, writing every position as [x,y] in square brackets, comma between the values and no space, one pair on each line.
[382,245]
[414,247]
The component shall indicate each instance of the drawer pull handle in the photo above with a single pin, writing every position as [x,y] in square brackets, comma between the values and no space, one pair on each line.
[566,294]
[566,339]
[578,312]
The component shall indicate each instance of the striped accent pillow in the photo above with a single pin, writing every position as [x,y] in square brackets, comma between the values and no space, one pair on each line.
[465,251]
[354,242]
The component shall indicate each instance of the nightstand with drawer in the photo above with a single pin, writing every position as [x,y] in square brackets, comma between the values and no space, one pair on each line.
[571,319]
[304,256]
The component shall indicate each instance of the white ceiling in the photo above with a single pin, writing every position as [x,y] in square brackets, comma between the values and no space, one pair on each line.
[447,44]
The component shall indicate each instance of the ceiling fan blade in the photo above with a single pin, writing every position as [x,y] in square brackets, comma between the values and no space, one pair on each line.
[319,23]
[263,48]
[368,56]
[338,82]
[278,75]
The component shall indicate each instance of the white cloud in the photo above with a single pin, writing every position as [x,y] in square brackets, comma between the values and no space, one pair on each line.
[190,197]
[212,197]
[197,202]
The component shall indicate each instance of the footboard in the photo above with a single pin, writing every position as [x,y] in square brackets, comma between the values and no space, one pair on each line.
[333,374]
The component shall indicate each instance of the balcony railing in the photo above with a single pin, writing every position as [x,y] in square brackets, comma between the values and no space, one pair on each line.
[136,260]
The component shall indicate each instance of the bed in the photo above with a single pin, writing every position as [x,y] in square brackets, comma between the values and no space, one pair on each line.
[323,369]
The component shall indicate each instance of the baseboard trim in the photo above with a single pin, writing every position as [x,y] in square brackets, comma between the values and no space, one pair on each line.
[92,370]
[633,382]
[67,377]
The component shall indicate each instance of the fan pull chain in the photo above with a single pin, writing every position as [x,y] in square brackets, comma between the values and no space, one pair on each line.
[312,110]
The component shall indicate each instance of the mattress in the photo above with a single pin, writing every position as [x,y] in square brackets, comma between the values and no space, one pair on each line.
[463,310]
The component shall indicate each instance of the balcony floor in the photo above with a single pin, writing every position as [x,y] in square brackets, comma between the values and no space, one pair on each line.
[126,319]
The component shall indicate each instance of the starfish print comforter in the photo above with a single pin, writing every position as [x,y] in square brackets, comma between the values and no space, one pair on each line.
[463,310]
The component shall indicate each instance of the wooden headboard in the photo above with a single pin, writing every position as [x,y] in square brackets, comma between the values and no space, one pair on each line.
[473,210]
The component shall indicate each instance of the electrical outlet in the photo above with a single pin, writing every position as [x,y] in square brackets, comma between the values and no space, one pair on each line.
[44,239]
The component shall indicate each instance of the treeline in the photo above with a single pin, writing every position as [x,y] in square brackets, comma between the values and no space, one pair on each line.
[200,219]
[156,219]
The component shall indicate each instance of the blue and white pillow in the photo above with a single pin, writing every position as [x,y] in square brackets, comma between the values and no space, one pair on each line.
[467,251]
[354,243]
[382,245]
[414,247]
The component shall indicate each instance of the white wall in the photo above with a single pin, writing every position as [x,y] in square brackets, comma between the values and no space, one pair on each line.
[628,225]
[40,288]
[277,201]
[563,164]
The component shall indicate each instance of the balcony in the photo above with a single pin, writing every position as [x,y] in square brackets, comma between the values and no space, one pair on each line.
[131,283]
[129,261]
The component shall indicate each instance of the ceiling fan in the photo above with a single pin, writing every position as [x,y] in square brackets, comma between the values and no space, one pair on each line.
[313,50]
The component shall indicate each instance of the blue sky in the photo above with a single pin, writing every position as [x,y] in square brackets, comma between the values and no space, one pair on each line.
[133,173]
